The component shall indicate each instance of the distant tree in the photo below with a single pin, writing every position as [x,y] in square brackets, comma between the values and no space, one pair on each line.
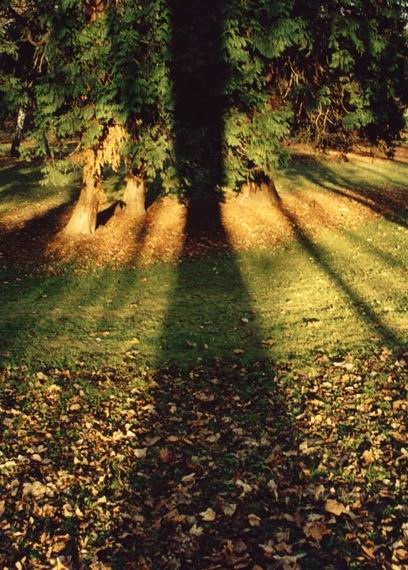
[21,62]
[330,72]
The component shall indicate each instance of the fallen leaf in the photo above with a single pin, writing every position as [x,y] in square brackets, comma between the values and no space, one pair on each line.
[140,453]
[188,478]
[174,516]
[208,515]
[273,488]
[165,455]
[334,507]
[268,548]
[196,530]
[369,551]
[244,486]
[67,510]
[60,544]
[41,376]
[204,396]
[254,520]
[229,509]
[316,530]
[368,456]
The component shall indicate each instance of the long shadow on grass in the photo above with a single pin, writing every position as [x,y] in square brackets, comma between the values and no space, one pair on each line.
[382,203]
[361,307]
[27,245]
[215,422]
[70,309]
[217,467]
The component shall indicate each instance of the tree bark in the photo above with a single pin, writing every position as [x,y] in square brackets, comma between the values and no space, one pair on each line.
[83,219]
[18,132]
[134,196]
[262,192]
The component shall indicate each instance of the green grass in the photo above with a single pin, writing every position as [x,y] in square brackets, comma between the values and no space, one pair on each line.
[118,451]
[342,290]
[21,188]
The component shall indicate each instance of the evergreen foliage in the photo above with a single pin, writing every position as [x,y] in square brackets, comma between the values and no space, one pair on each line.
[206,92]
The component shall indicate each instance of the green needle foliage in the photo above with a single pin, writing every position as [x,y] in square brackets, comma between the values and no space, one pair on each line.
[205,92]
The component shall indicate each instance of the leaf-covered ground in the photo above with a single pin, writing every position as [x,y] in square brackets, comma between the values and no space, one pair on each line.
[222,465]
[279,440]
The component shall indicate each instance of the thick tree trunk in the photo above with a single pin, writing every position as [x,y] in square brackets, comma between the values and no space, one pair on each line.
[83,219]
[260,192]
[18,132]
[134,196]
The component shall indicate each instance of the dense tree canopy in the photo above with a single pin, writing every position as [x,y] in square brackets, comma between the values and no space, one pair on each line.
[199,95]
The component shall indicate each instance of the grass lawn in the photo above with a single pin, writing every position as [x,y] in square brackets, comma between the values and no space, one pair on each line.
[241,408]
[329,283]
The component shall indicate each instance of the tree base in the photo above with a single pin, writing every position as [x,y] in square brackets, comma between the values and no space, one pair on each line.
[262,193]
[134,197]
[82,222]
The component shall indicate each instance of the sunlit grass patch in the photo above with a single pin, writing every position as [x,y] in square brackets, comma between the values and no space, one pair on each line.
[297,301]
[321,271]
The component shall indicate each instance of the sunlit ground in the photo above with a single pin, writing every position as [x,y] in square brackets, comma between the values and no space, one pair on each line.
[236,402]
[325,270]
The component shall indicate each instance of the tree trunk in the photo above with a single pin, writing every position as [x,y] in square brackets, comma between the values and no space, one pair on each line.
[83,219]
[134,196]
[262,192]
[18,133]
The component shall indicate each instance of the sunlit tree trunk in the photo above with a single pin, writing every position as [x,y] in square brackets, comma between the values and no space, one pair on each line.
[261,192]
[18,132]
[134,195]
[84,216]
[83,219]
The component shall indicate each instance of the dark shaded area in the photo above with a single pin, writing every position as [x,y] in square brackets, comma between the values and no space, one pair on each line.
[26,246]
[103,217]
[198,72]
[16,183]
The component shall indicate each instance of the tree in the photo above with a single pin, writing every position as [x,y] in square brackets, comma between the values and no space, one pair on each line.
[350,84]
[21,62]
[199,97]
[107,86]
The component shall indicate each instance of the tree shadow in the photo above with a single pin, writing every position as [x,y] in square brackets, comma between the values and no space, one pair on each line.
[381,254]
[27,244]
[362,307]
[217,434]
[19,180]
[203,471]
[314,171]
